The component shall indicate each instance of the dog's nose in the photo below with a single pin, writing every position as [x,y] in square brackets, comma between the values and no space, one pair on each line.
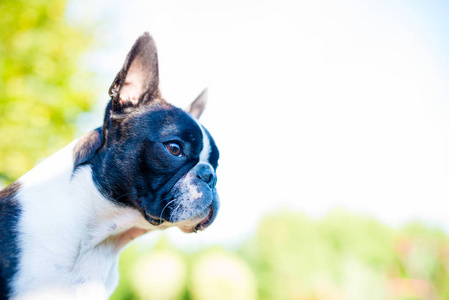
[207,174]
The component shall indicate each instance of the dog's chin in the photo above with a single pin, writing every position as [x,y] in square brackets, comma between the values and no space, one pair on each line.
[199,222]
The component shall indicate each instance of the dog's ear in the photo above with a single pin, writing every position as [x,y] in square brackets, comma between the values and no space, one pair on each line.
[197,107]
[137,82]
[87,146]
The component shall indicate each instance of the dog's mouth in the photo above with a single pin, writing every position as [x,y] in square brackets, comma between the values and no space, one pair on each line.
[199,222]
[206,221]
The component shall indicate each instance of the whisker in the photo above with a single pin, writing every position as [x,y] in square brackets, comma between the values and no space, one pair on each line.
[176,208]
[162,212]
[122,196]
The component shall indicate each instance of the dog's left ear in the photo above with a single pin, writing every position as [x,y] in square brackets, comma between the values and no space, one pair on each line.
[137,82]
[197,107]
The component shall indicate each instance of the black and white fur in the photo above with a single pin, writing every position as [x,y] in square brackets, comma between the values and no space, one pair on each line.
[64,223]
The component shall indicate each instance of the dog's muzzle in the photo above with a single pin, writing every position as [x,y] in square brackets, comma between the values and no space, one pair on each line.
[195,197]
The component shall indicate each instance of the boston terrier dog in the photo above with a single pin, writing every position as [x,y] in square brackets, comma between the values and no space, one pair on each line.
[150,166]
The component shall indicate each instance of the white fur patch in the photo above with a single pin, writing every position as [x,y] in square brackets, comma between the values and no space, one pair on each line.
[189,190]
[205,153]
[193,192]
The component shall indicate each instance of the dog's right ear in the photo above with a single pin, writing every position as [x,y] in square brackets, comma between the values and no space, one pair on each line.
[137,83]
[197,107]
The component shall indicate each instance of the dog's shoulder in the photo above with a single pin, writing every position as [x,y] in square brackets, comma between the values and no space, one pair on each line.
[10,211]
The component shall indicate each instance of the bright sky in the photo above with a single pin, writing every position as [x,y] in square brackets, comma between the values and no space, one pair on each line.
[313,104]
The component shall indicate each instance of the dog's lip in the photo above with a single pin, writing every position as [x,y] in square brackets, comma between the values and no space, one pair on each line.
[206,221]
[157,220]
[153,220]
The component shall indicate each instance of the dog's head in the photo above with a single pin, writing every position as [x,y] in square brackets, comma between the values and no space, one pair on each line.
[150,154]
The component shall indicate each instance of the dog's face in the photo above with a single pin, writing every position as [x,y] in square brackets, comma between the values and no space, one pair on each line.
[153,156]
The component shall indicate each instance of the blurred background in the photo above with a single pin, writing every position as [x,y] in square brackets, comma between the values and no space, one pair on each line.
[332,119]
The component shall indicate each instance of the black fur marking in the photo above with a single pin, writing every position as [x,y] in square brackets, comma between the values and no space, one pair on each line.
[10,212]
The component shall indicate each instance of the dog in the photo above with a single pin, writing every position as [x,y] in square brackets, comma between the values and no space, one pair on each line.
[150,166]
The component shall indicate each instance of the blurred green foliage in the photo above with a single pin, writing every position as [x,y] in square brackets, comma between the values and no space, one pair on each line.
[42,87]
[291,256]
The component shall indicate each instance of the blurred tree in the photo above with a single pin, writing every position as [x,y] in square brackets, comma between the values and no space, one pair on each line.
[295,257]
[171,273]
[423,253]
[42,87]
[221,275]
[152,272]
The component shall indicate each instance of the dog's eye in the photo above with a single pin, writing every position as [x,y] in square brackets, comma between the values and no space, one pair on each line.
[174,148]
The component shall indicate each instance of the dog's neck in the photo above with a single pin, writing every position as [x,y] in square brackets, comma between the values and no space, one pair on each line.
[69,228]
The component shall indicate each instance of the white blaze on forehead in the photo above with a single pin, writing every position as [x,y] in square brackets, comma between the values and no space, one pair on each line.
[205,152]
[204,155]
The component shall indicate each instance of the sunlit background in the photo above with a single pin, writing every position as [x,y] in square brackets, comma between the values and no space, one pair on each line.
[332,120]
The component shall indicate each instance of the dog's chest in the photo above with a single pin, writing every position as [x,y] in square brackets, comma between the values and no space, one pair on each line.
[92,275]
[69,234]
